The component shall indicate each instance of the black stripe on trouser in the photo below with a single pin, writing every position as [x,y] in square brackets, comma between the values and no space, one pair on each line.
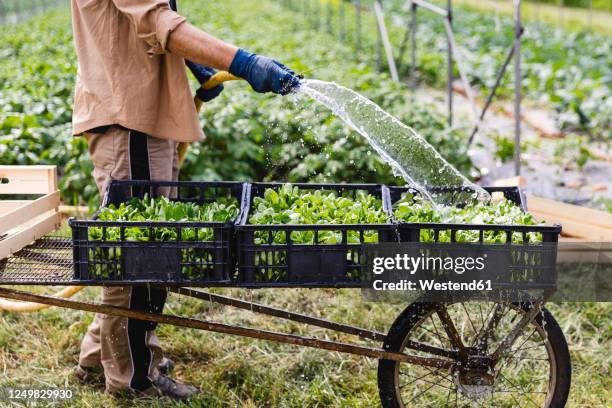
[139,160]
[148,300]
[142,298]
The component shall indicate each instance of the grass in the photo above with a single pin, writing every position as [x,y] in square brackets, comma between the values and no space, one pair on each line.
[42,349]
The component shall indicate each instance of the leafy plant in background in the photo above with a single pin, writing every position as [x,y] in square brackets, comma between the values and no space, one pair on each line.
[568,71]
[504,147]
[573,150]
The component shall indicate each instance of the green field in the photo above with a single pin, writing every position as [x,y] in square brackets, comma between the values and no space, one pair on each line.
[576,17]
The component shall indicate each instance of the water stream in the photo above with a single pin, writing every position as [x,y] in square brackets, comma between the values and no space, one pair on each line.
[408,153]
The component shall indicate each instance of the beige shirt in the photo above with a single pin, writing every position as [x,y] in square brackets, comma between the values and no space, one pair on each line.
[125,75]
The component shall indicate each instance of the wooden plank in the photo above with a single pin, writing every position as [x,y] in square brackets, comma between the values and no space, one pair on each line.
[31,233]
[29,211]
[576,229]
[24,221]
[578,222]
[598,253]
[584,214]
[518,181]
[10,205]
[28,179]
[565,238]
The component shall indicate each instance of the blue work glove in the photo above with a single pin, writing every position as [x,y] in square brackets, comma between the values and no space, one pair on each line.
[203,74]
[264,74]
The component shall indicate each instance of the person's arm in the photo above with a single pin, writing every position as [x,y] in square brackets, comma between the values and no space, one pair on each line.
[166,31]
[200,47]
[262,73]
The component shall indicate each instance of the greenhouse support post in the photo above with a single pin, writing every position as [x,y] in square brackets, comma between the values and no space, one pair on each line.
[491,95]
[357,25]
[378,43]
[413,10]
[402,47]
[341,17]
[384,37]
[329,17]
[449,61]
[517,86]
[462,72]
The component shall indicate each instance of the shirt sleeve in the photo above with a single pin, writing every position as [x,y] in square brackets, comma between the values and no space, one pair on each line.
[153,20]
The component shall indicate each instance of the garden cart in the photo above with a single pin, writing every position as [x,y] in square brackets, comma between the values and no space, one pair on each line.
[482,353]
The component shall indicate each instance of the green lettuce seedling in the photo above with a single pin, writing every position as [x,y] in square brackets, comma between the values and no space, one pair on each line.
[196,261]
[413,208]
[292,205]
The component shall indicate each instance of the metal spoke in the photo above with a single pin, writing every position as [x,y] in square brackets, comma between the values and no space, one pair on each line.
[456,395]
[492,324]
[526,348]
[430,349]
[469,318]
[450,390]
[421,393]
[481,316]
[434,334]
[436,329]
[519,348]
[526,358]
[422,378]
[515,400]
[521,388]
[509,340]
[451,330]
[442,376]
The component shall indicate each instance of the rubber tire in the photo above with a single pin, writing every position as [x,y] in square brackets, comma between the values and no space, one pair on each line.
[413,314]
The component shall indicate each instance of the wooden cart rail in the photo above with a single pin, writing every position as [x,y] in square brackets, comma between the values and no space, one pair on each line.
[24,220]
[227,329]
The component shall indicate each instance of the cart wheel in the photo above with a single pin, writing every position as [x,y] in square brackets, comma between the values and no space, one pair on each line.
[535,372]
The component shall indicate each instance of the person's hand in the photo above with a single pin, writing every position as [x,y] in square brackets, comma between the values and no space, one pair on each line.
[264,74]
[203,74]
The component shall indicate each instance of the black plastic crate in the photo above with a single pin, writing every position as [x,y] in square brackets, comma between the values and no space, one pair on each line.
[265,263]
[525,258]
[193,261]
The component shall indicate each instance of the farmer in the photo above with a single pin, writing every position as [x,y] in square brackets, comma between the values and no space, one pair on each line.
[133,104]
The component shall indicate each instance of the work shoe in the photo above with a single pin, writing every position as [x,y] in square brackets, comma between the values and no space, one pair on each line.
[96,374]
[165,386]
[165,366]
[89,374]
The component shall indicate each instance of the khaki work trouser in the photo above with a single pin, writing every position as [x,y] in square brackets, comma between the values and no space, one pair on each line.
[127,349]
